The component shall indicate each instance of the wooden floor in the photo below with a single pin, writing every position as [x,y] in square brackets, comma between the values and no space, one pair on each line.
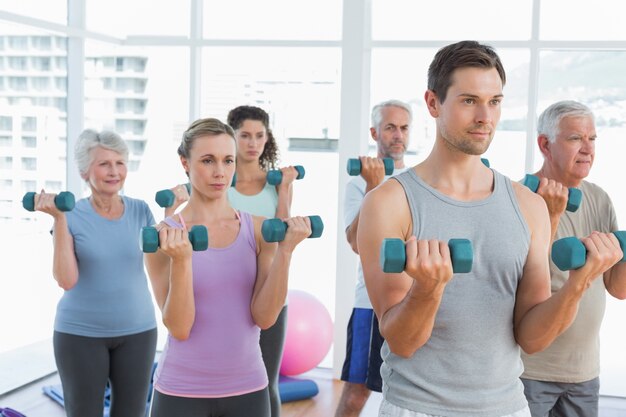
[322,405]
[33,403]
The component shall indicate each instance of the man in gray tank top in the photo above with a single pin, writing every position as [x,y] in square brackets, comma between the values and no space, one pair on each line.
[452,342]
[564,378]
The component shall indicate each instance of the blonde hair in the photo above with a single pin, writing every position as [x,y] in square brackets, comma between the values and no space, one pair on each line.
[203,127]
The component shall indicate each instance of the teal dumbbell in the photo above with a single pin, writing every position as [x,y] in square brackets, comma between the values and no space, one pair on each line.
[486,162]
[198,236]
[354,166]
[570,253]
[166,198]
[274,230]
[275,176]
[393,255]
[574,197]
[64,201]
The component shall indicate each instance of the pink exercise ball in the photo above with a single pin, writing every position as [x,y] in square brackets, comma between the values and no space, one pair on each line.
[309,333]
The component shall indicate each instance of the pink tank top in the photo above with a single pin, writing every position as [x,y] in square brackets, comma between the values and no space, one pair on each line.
[221,357]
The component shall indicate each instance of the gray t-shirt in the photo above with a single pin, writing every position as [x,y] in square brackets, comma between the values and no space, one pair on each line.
[470,365]
[575,355]
[111,297]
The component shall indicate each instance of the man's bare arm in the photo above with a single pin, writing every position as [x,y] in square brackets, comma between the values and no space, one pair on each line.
[406,304]
[615,281]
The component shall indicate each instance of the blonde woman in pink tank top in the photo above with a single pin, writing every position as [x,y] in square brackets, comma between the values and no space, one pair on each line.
[215,302]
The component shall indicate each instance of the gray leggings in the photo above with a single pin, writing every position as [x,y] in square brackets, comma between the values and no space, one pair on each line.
[272,343]
[85,364]
[253,404]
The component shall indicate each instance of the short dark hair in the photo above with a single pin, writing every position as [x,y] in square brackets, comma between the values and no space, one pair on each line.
[269,157]
[460,55]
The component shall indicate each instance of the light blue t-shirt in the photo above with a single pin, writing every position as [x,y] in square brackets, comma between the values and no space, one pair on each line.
[111,297]
[262,204]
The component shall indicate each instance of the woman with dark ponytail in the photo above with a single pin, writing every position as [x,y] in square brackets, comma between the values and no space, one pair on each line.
[257,153]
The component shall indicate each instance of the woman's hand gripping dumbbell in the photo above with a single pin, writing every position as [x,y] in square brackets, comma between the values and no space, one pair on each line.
[150,240]
[275,176]
[275,230]
[64,201]
[167,198]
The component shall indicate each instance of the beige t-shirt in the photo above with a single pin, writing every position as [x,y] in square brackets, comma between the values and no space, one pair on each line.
[575,355]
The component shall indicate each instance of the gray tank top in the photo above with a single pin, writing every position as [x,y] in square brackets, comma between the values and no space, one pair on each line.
[471,364]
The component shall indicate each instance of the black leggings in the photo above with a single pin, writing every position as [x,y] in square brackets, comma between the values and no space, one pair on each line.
[254,404]
[85,364]
[272,343]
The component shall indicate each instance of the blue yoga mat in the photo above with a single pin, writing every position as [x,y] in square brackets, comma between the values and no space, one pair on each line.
[9,412]
[56,393]
[294,389]
[290,389]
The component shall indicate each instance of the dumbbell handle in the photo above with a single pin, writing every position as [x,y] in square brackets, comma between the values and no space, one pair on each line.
[574,196]
[393,255]
[166,198]
[354,166]
[149,239]
[274,230]
[64,201]
[570,253]
[275,176]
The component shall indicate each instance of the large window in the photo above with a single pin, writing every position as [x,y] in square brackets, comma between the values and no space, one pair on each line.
[407,81]
[450,20]
[32,157]
[54,10]
[595,78]
[403,33]
[149,70]
[142,93]
[299,88]
[139,17]
[580,20]
[272,19]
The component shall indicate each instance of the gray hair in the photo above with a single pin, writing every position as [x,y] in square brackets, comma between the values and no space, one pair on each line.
[377,111]
[90,139]
[549,120]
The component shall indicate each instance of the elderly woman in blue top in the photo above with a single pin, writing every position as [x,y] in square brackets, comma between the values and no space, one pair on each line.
[105,328]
